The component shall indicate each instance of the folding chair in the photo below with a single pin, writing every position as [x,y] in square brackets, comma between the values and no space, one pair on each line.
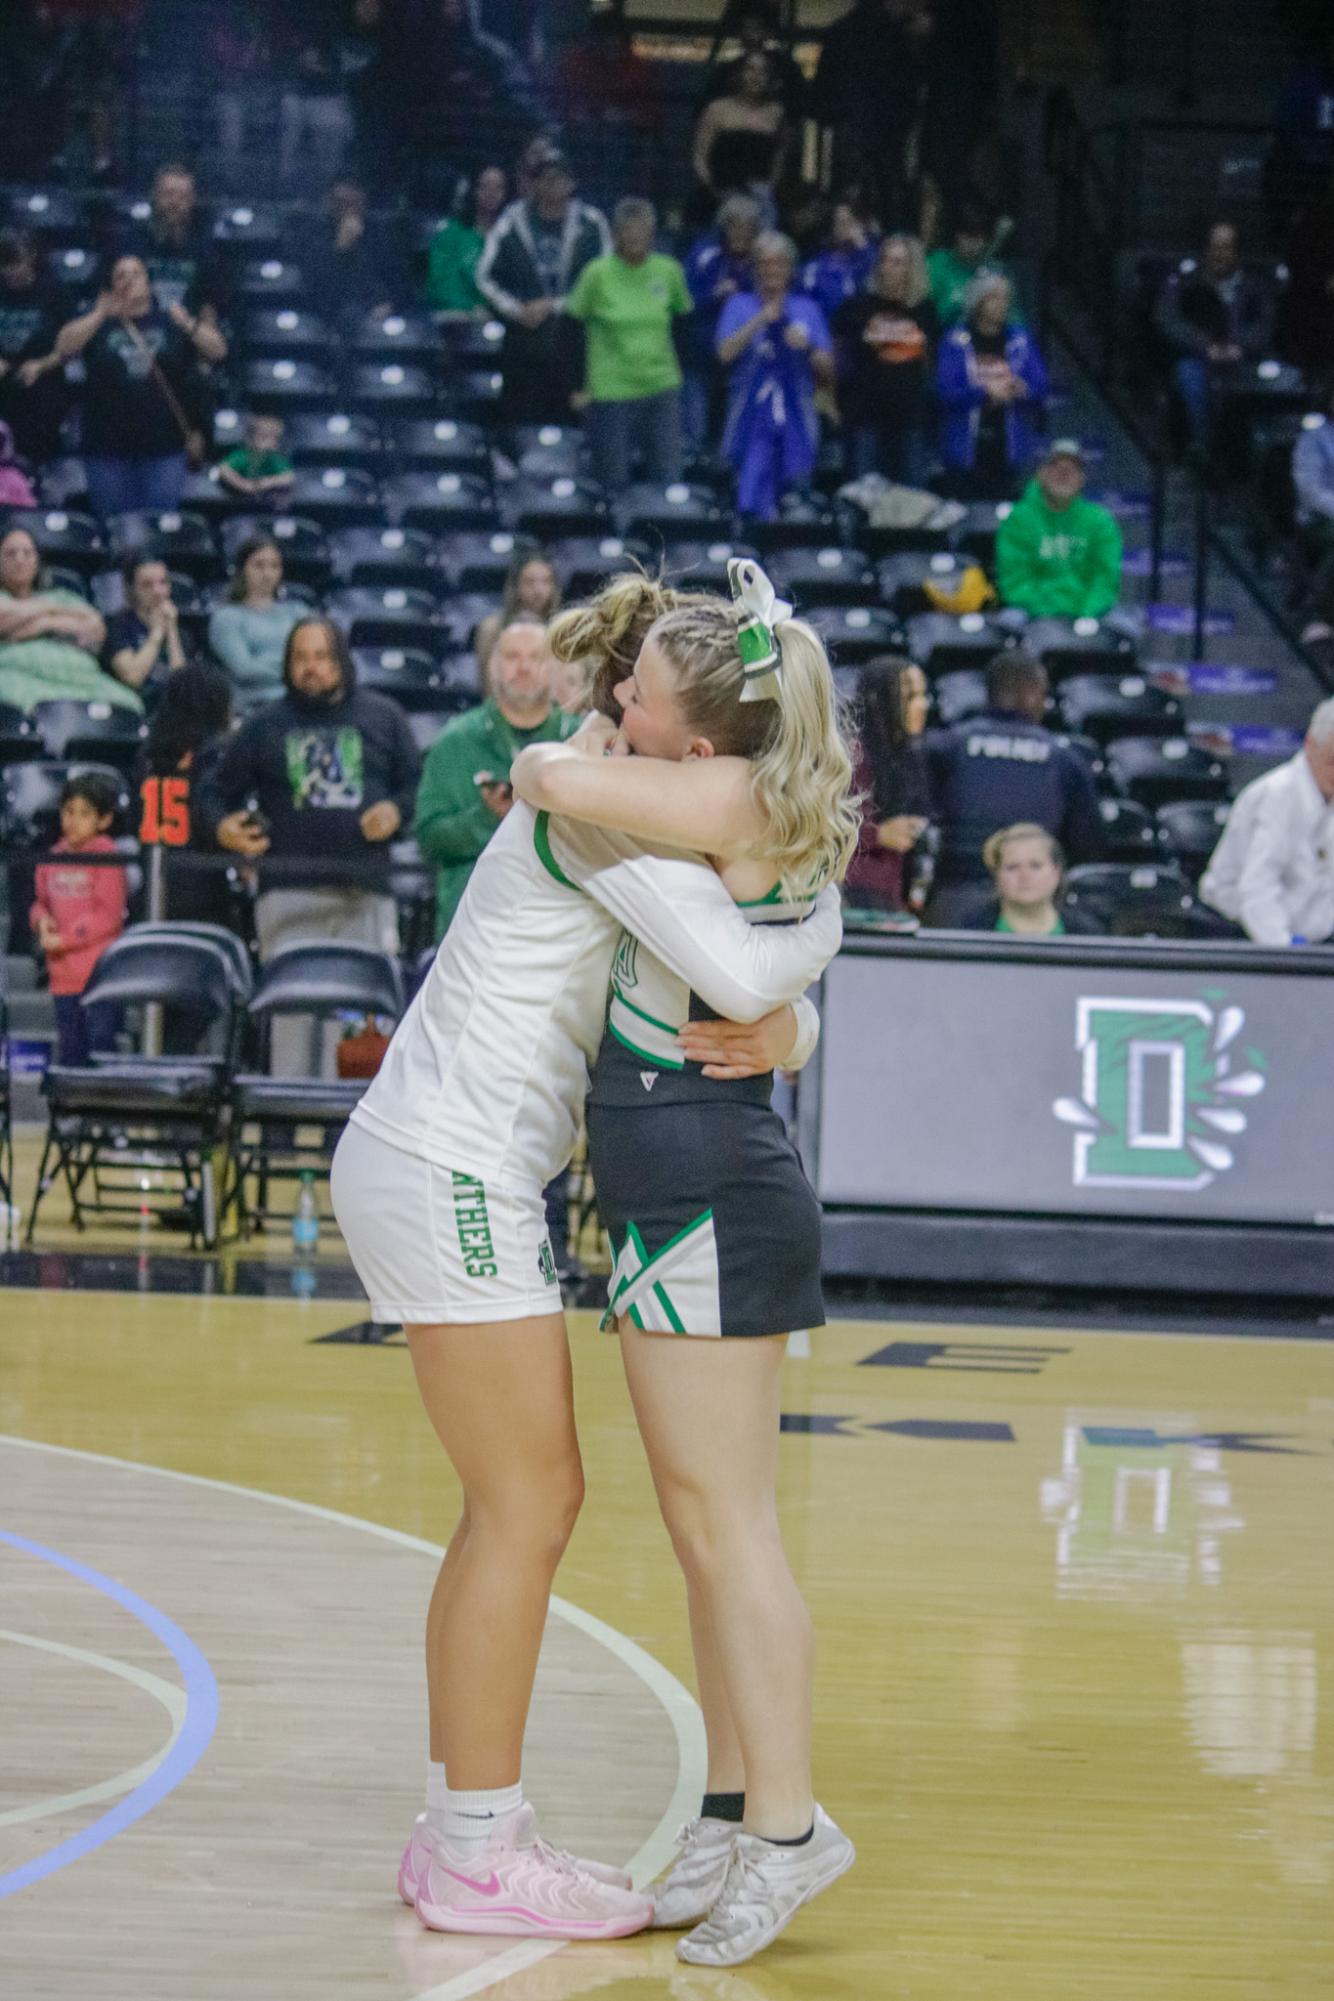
[268,1113]
[138,1113]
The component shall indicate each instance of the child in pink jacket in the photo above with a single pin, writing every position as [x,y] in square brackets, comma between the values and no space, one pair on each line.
[77,912]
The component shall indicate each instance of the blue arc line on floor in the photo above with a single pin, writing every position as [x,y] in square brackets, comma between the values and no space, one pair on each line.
[201,1720]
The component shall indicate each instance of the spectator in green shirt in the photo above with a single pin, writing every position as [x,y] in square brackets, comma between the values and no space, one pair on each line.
[969,249]
[465,790]
[629,303]
[259,469]
[1057,554]
[456,247]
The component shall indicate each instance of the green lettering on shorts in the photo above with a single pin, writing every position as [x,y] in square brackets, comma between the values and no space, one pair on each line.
[474,1226]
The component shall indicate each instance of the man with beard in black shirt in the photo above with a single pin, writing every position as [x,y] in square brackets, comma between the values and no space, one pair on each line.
[323,779]
[185,264]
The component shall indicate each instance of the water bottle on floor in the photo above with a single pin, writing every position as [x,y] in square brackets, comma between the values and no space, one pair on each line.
[306,1218]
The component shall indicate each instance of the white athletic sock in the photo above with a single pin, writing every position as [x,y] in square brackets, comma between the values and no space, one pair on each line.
[437,1791]
[467,1821]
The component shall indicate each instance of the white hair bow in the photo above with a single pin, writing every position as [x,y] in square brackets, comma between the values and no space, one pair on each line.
[761,658]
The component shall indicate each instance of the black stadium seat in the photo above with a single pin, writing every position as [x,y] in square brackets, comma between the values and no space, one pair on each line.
[101,732]
[286,383]
[1105,708]
[545,451]
[184,541]
[544,509]
[335,496]
[802,521]
[1154,770]
[1129,830]
[940,642]
[583,562]
[1141,900]
[479,559]
[271,281]
[1190,829]
[441,444]
[335,437]
[389,389]
[401,337]
[1079,646]
[411,675]
[444,503]
[855,633]
[288,330]
[829,575]
[669,514]
[392,616]
[903,576]
[30,799]
[385,556]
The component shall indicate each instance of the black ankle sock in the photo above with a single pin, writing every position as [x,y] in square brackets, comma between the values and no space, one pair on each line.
[724,1806]
[793,1841]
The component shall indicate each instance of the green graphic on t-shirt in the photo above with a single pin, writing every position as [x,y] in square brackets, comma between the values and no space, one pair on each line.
[325,767]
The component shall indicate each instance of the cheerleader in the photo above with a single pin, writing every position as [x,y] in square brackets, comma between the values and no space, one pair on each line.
[731,719]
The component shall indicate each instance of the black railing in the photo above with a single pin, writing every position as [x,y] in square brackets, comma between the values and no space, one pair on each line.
[1096,178]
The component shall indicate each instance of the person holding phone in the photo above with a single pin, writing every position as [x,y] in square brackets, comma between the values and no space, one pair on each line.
[465,791]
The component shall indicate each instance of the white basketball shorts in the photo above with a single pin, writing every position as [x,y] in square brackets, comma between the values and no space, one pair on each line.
[435,1246]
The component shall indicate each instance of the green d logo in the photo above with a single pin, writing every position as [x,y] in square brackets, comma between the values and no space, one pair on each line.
[1159,1094]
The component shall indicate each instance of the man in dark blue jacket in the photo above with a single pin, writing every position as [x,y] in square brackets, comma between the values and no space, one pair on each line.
[1000,768]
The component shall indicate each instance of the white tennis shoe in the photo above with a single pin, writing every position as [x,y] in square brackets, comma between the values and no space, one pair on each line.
[688,1888]
[765,1886]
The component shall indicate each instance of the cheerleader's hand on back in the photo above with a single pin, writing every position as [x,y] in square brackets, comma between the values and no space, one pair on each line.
[732,1049]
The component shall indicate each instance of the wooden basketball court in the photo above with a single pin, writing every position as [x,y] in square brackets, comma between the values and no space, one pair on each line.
[1074,1594]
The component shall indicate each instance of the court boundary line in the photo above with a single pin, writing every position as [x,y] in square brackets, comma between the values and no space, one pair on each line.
[188,1747]
[682,1710]
[172,1699]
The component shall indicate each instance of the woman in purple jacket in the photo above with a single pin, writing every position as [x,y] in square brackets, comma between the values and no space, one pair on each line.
[992,388]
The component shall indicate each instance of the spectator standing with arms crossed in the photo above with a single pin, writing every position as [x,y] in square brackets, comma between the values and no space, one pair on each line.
[1273,870]
[527,270]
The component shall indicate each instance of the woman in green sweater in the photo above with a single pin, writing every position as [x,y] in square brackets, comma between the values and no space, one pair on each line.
[451,259]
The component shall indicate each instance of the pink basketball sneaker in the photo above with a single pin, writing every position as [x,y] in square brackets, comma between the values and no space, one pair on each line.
[522,1887]
[417,1853]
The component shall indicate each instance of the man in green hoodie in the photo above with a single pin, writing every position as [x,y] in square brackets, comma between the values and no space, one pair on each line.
[465,789]
[1057,554]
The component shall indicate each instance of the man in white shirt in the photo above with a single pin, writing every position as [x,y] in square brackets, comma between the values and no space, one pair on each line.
[1273,870]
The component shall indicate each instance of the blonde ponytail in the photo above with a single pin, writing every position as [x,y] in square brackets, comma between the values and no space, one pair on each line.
[604,635]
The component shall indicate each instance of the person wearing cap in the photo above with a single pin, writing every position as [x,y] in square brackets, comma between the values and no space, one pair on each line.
[1058,555]
[528,268]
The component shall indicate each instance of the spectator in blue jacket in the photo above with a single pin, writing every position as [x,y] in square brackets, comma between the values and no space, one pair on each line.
[776,346]
[843,268]
[1000,769]
[717,267]
[992,388]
